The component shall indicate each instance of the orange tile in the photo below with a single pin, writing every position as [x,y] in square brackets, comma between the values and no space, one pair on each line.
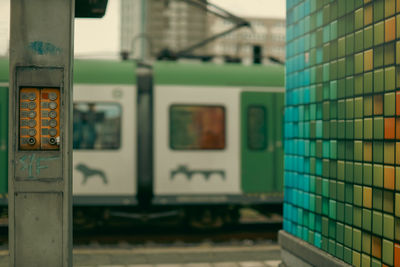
[378,104]
[368,15]
[397,156]
[367,197]
[388,175]
[390,29]
[367,151]
[390,128]
[376,247]
[368,60]
[397,128]
[396,255]
[398,102]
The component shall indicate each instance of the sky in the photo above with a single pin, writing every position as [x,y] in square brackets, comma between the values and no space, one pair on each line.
[89,33]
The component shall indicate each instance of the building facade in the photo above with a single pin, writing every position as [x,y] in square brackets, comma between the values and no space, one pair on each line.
[166,24]
[264,39]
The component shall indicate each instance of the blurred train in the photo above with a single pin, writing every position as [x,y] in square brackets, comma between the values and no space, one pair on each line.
[196,140]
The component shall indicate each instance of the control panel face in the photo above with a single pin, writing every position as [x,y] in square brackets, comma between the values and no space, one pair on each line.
[39,119]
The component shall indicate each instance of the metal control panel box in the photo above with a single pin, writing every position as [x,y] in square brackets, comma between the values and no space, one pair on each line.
[39,119]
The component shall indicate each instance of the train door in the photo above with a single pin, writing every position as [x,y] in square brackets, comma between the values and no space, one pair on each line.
[3,139]
[261,141]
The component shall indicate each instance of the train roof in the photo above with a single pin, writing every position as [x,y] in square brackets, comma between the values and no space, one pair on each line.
[171,73]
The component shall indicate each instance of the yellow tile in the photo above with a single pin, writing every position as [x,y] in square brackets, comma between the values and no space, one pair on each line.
[368,60]
[378,104]
[368,15]
[367,151]
[390,29]
[367,197]
[389,7]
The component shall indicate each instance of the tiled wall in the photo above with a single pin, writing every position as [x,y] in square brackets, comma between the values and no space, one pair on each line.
[342,128]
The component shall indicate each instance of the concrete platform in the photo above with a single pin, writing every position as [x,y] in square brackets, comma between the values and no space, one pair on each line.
[198,256]
[298,253]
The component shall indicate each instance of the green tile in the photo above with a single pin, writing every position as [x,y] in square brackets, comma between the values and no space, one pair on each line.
[340,211]
[348,210]
[378,56]
[332,189]
[389,54]
[349,44]
[349,149]
[358,150]
[349,22]
[377,198]
[349,108]
[388,202]
[333,70]
[366,219]
[368,104]
[357,217]
[359,41]
[377,155]
[368,82]
[387,252]
[367,174]
[347,253]
[339,232]
[358,108]
[365,260]
[398,50]
[397,205]
[378,80]
[358,18]
[390,78]
[341,68]
[341,47]
[378,127]
[358,168]
[378,10]
[376,263]
[341,109]
[368,128]
[339,251]
[390,104]
[368,37]
[359,63]
[397,229]
[378,175]
[349,83]
[356,239]
[325,226]
[388,226]
[379,33]
[358,129]
[349,171]
[333,30]
[358,84]
[377,223]
[332,209]
[349,66]
[331,247]
[366,242]
[358,195]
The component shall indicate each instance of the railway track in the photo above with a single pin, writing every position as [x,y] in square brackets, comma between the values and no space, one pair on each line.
[252,228]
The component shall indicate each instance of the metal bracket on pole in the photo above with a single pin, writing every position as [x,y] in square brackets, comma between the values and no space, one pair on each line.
[40,146]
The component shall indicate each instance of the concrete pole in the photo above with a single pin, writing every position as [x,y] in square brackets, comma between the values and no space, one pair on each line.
[40,135]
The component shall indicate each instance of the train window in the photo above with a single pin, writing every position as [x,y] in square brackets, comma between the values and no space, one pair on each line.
[256,127]
[97,126]
[194,127]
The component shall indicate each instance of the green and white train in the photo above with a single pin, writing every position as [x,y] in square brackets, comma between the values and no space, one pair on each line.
[193,137]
